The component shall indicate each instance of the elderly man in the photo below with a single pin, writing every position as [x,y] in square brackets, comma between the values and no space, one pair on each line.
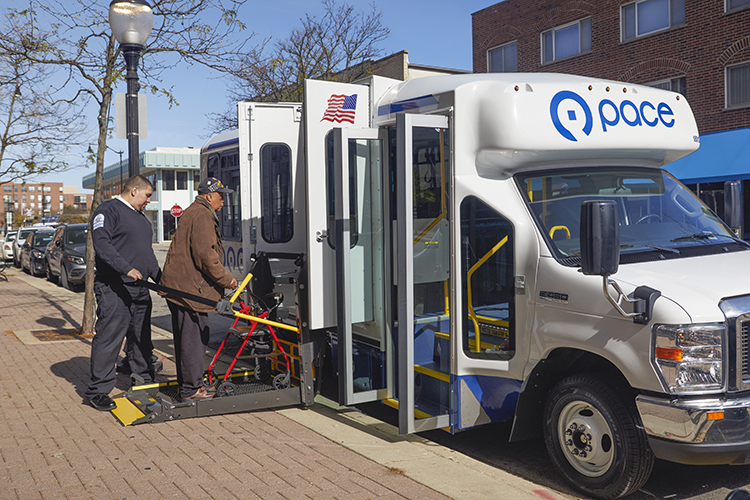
[194,265]
[121,235]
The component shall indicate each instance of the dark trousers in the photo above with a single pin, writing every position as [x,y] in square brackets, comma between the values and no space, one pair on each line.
[116,310]
[191,334]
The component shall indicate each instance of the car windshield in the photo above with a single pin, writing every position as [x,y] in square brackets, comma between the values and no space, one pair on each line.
[76,236]
[42,239]
[656,212]
[24,233]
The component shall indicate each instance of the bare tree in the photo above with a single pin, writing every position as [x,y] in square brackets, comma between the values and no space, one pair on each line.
[38,122]
[75,35]
[336,46]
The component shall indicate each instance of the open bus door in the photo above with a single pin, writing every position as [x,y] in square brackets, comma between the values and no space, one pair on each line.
[365,353]
[425,326]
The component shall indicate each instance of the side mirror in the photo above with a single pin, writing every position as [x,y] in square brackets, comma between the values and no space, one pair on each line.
[733,208]
[600,238]
[57,243]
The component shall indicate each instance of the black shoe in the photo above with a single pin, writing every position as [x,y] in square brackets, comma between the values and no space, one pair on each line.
[102,402]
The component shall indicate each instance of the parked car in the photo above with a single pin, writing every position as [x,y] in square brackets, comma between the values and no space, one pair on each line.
[33,260]
[66,255]
[7,249]
[21,236]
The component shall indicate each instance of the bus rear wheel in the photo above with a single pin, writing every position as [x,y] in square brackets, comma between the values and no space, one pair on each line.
[595,438]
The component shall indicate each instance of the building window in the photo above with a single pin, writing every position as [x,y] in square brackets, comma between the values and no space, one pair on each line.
[167,180]
[649,16]
[8,189]
[276,193]
[567,40]
[738,85]
[31,189]
[181,180]
[196,179]
[503,59]
[674,84]
[736,4]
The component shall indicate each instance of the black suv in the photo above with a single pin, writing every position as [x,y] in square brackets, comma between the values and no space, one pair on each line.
[66,255]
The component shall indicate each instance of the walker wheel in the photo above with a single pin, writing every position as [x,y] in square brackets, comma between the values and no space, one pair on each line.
[226,388]
[281,381]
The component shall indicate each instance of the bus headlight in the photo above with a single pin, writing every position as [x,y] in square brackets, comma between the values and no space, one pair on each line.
[689,358]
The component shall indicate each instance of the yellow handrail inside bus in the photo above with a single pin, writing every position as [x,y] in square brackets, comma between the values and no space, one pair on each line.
[476,266]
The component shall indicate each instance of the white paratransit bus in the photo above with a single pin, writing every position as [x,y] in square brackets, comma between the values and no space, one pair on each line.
[493,247]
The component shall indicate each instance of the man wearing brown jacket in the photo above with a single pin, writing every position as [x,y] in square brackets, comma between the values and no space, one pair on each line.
[194,265]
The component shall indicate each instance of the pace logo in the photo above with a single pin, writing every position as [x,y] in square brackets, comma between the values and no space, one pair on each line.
[572,116]
[576,113]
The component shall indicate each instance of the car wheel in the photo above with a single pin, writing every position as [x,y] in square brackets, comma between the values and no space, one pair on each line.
[16,263]
[24,268]
[64,279]
[51,277]
[595,438]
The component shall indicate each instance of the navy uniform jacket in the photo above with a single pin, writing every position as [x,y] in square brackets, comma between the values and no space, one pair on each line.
[122,241]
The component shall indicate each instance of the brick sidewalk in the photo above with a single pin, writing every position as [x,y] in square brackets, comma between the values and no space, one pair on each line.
[53,445]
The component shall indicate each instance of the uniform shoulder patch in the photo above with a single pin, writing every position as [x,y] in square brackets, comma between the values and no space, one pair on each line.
[98,221]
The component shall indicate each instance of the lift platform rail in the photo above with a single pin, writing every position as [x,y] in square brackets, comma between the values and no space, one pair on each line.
[244,389]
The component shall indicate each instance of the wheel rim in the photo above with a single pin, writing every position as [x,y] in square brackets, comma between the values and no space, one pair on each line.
[586,439]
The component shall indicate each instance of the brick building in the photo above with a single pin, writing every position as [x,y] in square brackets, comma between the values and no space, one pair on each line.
[36,199]
[700,48]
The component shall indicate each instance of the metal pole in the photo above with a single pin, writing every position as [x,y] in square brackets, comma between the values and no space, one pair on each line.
[120,153]
[132,53]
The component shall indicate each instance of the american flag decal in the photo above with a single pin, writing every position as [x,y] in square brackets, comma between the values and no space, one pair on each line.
[341,108]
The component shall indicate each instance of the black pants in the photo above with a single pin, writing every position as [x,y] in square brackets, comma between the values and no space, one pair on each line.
[191,334]
[116,310]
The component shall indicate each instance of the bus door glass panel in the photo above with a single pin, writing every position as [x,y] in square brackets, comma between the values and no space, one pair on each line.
[424,216]
[276,213]
[361,277]
[331,187]
[488,285]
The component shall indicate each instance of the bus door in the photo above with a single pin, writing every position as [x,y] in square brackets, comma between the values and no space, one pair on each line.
[365,355]
[423,220]
[272,182]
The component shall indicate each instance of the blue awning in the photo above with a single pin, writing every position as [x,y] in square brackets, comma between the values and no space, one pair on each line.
[722,156]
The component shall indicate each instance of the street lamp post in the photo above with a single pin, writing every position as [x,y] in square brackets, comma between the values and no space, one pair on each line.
[131,22]
[119,153]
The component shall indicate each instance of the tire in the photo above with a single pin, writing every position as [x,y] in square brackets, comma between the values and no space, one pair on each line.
[23,268]
[611,457]
[64,279]
[51,277]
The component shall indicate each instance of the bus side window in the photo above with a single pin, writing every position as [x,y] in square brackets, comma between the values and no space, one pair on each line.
[487,275]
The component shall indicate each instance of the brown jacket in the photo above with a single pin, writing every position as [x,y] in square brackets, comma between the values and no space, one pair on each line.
[194,261]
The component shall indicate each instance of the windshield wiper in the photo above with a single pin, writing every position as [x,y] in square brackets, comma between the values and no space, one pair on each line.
[663,249]
[697,236]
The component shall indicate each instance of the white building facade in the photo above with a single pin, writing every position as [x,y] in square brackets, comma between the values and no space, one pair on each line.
[175,174]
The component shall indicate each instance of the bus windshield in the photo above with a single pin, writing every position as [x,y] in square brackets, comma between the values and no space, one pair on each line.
[656,211]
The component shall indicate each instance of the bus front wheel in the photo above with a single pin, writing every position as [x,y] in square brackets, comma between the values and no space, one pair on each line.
[595,439]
